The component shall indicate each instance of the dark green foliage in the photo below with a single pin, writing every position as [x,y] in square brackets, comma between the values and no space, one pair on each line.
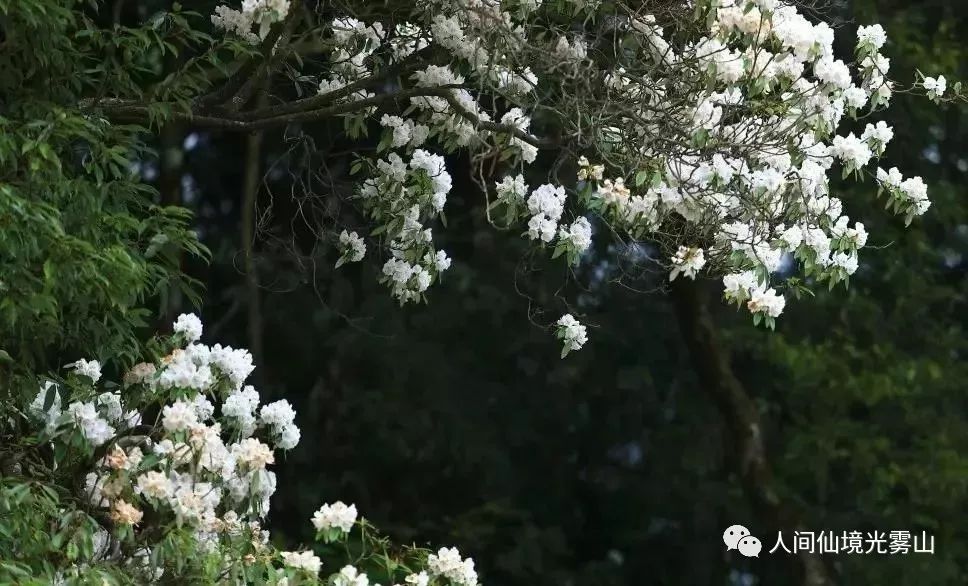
[83,245]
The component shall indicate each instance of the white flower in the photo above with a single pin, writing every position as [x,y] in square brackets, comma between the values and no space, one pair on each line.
[235,364]
[178,416]
[186,369]
[832,71]
[124,513]
[792,237]
[915,190]
[614,193]
[890,179]
[579,234]
[48,392]
[846,261]
[337,515]
[546,204]
[235,22]
[155,485]
[589,172]
[351,246]
[277,414]
[435,168]
[180,453]
[203,408]
[871,37]
[189,326]
[878,136]
[512,189]
[303,560]
[447,562]
[110,406]
[687,262]
[767,181]
[251,454]
[88,368]
[541,227]
[421,579]
[739,285]
[853,151]
[439,260]
[572,333]
[192,501]
[855,97]
[935,87]
[766,301]
[93,428]
[240,407]
[288,437]
[857,235]
[350,576]
[548,200]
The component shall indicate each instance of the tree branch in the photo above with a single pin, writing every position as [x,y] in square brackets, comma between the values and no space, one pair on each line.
[271,117]
[274,44]
[248,70]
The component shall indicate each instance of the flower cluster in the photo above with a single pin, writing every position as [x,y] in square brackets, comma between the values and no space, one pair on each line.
[447,562]
[260,14]
[401,197]
[935,87]
[352,248]
[335,519]
[687,262]
[201,469]
[545,204]
[96,420]
[189,326]
[711,137]
[753,186]
[192,469]
[908,196]
[572,334]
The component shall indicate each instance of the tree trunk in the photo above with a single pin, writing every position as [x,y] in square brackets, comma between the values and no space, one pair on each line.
[712,365]
[250,192]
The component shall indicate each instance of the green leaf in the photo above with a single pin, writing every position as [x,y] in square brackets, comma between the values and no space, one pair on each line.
[640,177]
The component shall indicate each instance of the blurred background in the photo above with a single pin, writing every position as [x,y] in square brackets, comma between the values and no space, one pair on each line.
[457,423]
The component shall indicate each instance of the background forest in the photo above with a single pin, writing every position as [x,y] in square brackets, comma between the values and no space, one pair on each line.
[456,421]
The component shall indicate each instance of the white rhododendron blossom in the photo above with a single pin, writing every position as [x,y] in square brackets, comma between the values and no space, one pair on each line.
[571,332]
[202,466]
[708,133]
[687,262]
[89,368]
[91,423]
[350,576]
[189,326]
[352,247]
[255,14]
[46,406]
[935,86]
[447,562]
[337,516]
[729,174]
[303,560]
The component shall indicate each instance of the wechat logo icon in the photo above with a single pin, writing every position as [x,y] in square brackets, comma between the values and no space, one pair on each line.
[739,538]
